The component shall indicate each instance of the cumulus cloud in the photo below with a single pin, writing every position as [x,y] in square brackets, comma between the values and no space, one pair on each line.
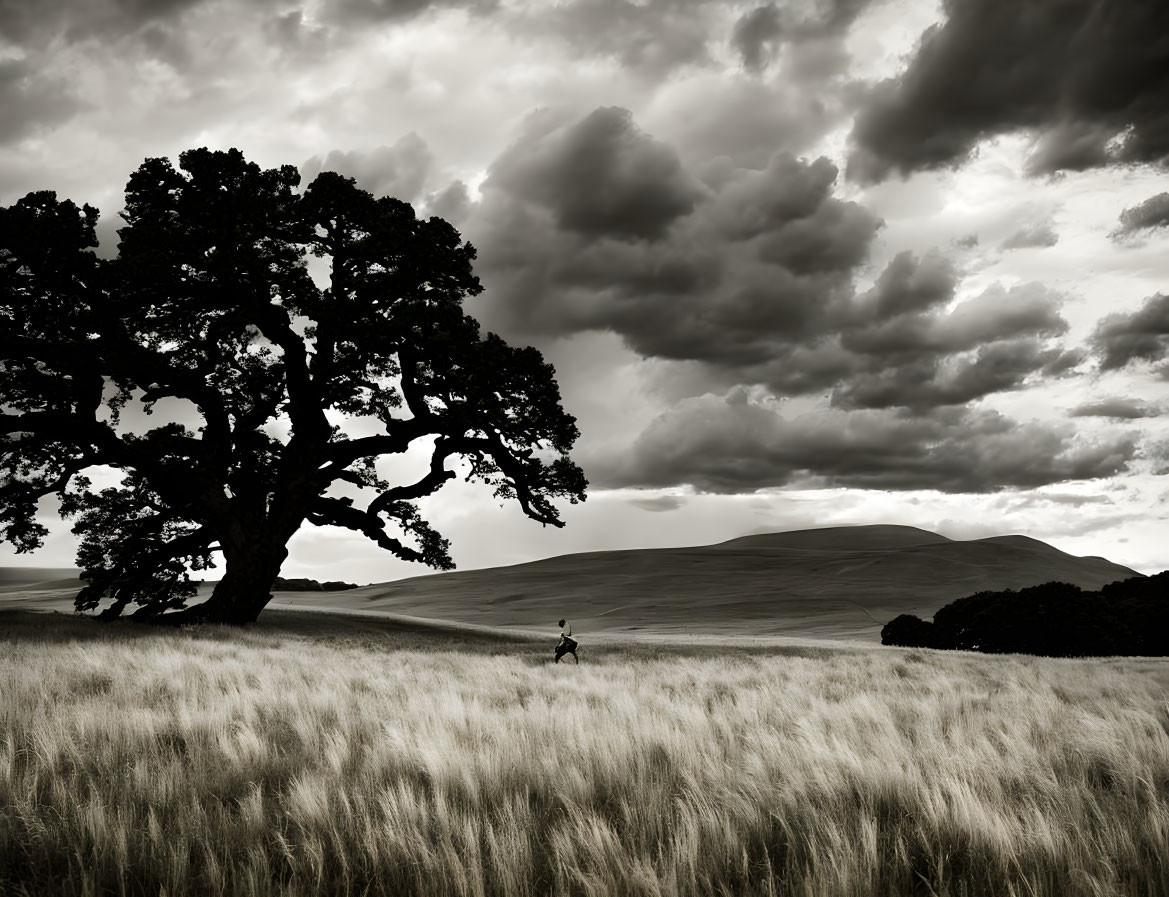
[909,285]
[601,175]
[399,170]
[908,349]
[1116,408]
[751,275]
[929,382]
[1087,76]
[452,203]
[993,315]
[756,35]
[1143,335]
[1150,214]
[1041,235]
[595,225]
[1066,362]
[736,444]
[759,34]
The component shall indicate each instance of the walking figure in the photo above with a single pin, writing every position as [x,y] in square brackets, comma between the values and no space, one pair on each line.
[567,643]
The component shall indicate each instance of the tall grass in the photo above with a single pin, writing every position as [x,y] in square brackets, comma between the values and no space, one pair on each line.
[244,763]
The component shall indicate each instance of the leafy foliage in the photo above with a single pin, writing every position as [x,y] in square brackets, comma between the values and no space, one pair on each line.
[1129,617]
[210,307]
[908,631]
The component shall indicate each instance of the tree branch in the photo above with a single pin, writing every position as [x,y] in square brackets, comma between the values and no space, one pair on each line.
[428,485]
[71,429]
[304,406]
[519,479]
[340,512]
[400,434]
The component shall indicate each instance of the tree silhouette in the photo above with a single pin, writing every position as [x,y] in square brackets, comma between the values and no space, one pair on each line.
[908,631]
[212,305]
[1056,619]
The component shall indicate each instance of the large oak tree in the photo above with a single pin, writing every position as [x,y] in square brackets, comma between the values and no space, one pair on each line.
[271,315]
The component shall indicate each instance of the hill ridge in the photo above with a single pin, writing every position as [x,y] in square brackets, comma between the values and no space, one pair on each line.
[825,582]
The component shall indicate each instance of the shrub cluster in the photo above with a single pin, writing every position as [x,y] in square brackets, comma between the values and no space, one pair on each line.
[1054,619]
[310,585]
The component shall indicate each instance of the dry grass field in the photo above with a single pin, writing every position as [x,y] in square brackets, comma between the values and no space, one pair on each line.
[361,758]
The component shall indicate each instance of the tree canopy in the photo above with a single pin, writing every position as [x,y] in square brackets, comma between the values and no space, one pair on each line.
[271,315]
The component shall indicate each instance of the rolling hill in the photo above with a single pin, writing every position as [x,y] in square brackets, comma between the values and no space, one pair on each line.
[23,576]
[838,582]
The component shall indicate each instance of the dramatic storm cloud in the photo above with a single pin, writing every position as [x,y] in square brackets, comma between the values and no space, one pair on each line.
[733,444]
[399,170]
[749,272]
[926,358]
[733,267]
[600,176]
[760,34]
[1143,335]
[1117,408]
[756,35]
[1087,77]
[1150,214]
[1032,236]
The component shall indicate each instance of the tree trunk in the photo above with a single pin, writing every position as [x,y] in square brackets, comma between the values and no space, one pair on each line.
[244,590]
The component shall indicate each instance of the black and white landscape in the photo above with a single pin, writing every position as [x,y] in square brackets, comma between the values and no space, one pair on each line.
[807,360]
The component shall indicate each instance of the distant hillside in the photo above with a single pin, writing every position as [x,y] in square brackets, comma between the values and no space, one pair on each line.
[11,576]
[842,582]
[49,588]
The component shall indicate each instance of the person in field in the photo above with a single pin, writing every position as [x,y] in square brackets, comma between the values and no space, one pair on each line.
[567,643]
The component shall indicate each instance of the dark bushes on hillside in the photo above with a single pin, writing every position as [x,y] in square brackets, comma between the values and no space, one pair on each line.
[1054,619]
[309,585]
[908,630]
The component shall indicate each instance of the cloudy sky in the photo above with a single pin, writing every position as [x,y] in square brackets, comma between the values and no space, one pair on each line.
[797,264]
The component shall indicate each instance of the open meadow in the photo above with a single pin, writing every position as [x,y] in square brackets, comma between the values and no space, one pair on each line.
[342,756]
